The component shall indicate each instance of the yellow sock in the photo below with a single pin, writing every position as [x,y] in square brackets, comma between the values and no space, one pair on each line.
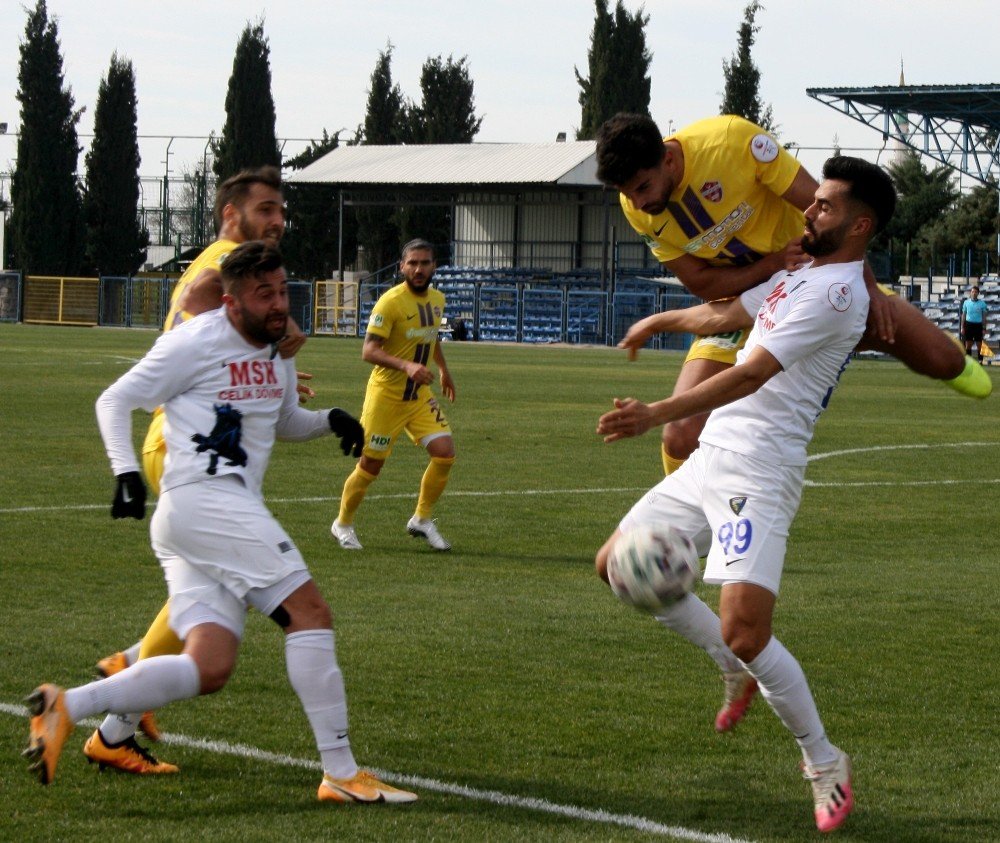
[160,639]
[670,464]
[432,484]
[355,488]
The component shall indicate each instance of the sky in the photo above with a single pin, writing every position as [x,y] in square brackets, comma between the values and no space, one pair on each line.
[521,56]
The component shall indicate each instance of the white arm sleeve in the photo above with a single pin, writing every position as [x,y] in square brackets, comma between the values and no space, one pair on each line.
[295,423]
[160,375]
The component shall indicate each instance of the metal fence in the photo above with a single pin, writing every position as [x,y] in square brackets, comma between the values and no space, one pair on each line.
[493,308]
[516,309]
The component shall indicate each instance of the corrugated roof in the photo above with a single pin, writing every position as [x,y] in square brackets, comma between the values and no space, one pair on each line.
[572,163]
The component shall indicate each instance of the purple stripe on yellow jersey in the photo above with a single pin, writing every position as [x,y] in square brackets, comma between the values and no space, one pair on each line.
[697,210]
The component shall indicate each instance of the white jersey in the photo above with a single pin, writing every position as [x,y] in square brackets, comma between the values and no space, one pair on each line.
[810,320]
[225,402]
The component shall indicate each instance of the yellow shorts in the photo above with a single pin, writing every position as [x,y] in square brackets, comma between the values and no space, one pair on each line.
[721,348]
[154,451]
[385,418]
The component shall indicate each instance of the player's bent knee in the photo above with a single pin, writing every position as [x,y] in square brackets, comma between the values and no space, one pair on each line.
[214,676]
[307,614]
[746,642]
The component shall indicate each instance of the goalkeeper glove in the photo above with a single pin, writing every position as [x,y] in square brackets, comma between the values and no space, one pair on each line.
[350,432]
[130,496]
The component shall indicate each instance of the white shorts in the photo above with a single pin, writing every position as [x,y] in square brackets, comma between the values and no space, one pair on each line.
[735,508]
[221,552]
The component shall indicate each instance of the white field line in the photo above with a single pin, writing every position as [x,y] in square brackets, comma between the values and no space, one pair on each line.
[422,783]
[599,491]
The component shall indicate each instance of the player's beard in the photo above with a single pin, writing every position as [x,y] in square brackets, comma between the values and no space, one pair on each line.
[419,289]
[821,244]
[270,235]
[267,329]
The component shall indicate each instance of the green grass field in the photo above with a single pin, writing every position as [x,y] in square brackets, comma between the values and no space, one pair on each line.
[502,680]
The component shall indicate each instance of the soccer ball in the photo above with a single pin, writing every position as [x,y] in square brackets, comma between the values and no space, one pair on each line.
[652,567]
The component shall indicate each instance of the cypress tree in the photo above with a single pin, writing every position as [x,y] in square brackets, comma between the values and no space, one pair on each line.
[618,68]
[248,137]
[47,222]
[384,125]
[742,92]
[116,242]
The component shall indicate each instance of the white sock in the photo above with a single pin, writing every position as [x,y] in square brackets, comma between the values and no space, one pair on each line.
[119,727]
[691,618]
[148,684]
[316,678]
[132,653]
[783,684]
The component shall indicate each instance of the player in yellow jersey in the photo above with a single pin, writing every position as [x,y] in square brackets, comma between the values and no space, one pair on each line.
[401,338]
[248,206]
[720,205]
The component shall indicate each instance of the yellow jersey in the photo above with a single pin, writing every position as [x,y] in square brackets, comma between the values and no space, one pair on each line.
[727,208]
[211,258]
[409,324]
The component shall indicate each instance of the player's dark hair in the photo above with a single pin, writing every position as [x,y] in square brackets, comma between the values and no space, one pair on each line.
[248,260]
[417,243]
[626,144]
[867,183]
[235,189]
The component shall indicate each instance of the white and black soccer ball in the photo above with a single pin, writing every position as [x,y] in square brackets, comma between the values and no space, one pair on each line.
[652,567]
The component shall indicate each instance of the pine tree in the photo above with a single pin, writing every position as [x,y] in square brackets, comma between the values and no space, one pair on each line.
[312,243]
[618,68]
[248,137]
[742,93]
[384,125]
[116,242]
[47,221]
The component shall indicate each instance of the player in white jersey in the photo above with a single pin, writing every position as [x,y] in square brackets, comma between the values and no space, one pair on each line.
[737,494]
[227,395]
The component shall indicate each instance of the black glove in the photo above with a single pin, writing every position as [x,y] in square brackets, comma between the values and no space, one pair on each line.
[349,430]
[130,497]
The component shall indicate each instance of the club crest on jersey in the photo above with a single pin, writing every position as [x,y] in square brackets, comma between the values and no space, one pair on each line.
[712,191]
[737,504]
[840,297]
[763,148]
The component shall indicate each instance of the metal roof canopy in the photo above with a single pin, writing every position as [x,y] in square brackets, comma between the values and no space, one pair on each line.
[948,123]
[537,165]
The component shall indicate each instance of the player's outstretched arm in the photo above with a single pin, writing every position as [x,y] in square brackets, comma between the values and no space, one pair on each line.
[710,318]
[633,418]
[719,282]
[880,316]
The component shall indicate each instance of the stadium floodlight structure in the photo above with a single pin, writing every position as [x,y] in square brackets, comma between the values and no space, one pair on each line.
[956,125]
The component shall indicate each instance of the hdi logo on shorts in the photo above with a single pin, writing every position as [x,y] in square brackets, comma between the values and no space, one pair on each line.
[379,443]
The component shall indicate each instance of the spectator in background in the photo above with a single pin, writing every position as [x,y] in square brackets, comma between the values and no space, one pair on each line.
[972,328]
[459,331]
